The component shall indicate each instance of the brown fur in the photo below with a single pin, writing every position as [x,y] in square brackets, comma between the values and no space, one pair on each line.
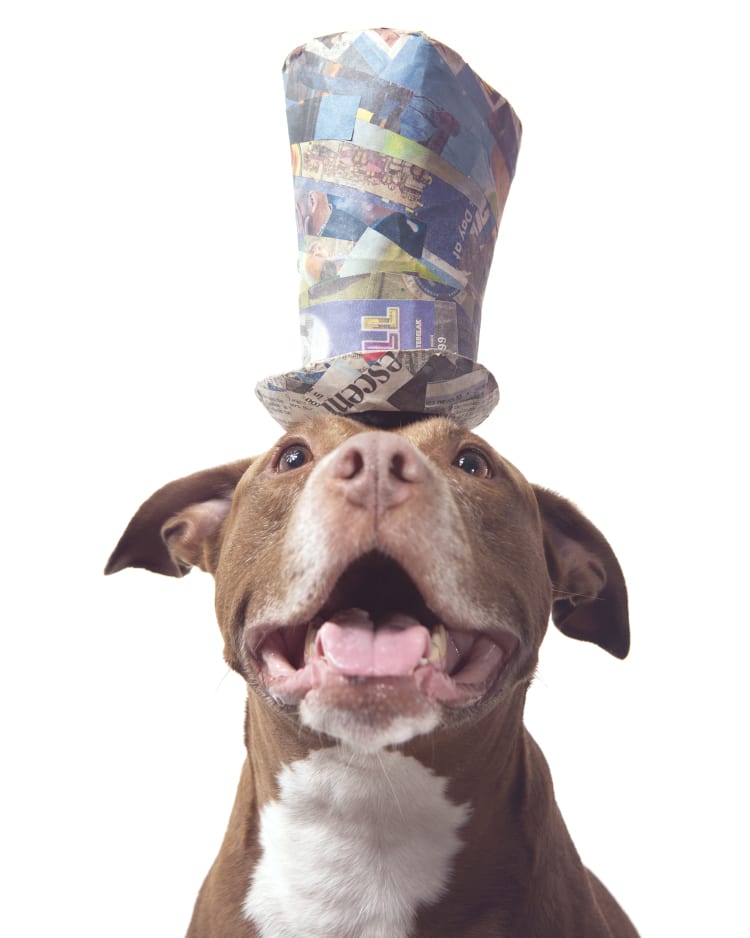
[526,553]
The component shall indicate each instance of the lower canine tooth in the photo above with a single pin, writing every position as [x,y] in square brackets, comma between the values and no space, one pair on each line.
[310,637]
[438,644]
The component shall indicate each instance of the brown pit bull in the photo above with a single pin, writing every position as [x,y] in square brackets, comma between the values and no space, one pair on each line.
[384,595]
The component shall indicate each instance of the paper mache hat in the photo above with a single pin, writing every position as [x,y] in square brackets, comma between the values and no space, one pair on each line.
[402,159]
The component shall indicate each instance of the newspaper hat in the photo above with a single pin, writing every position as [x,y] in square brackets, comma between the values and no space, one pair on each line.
[402,159]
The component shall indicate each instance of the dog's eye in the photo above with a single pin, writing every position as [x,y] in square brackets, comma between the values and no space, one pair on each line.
[473,462]
[293,457]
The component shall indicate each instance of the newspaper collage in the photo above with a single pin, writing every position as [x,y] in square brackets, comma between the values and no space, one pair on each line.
[402,160]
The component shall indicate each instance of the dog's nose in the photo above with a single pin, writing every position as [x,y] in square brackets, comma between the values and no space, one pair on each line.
[378,470]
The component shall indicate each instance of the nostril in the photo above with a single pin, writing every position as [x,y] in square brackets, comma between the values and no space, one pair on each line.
[404,467]
[398,467]
[350,464]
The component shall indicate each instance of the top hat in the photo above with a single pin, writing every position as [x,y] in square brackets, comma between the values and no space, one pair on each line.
[402,159]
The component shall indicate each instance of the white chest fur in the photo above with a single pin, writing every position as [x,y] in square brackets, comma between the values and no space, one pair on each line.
[353,846]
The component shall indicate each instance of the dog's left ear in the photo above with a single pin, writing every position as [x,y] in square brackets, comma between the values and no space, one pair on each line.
[590,600]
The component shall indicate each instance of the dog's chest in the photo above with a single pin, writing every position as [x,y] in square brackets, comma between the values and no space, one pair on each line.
[352,847]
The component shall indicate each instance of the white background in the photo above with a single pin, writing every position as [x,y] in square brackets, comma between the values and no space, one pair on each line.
[149,280]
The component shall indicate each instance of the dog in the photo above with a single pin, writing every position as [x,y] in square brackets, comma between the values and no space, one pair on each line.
[384,593]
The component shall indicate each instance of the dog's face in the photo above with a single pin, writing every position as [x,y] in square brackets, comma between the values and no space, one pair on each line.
[379,585]
[382,582]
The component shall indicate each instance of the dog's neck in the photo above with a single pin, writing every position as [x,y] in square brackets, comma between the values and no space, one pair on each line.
[490,790]
[353,845]
[450,811]
[479,762]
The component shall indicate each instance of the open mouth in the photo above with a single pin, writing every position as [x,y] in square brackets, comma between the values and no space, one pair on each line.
[376,626]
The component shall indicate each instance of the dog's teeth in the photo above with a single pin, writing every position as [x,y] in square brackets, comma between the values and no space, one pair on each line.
[312,634]
[423,661]
[438,644]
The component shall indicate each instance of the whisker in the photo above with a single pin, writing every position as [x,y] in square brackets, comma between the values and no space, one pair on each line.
[223,678]
[566,594]
[390,785]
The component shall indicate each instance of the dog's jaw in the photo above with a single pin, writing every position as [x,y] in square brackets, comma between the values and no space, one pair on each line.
[378,713]
[395,683]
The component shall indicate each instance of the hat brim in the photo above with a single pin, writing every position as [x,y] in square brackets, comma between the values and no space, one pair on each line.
[429,382]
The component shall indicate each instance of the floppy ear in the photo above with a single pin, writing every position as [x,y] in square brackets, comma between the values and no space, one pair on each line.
[174,529]
[590,600]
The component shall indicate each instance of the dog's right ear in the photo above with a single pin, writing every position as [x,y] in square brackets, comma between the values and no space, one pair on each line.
[175,529]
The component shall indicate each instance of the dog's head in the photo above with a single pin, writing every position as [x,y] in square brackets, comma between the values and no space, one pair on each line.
[377,585]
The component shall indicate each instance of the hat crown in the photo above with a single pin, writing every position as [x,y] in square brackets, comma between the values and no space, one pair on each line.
[402,159]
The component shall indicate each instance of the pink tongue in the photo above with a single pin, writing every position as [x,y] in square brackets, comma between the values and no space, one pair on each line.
[354,645]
